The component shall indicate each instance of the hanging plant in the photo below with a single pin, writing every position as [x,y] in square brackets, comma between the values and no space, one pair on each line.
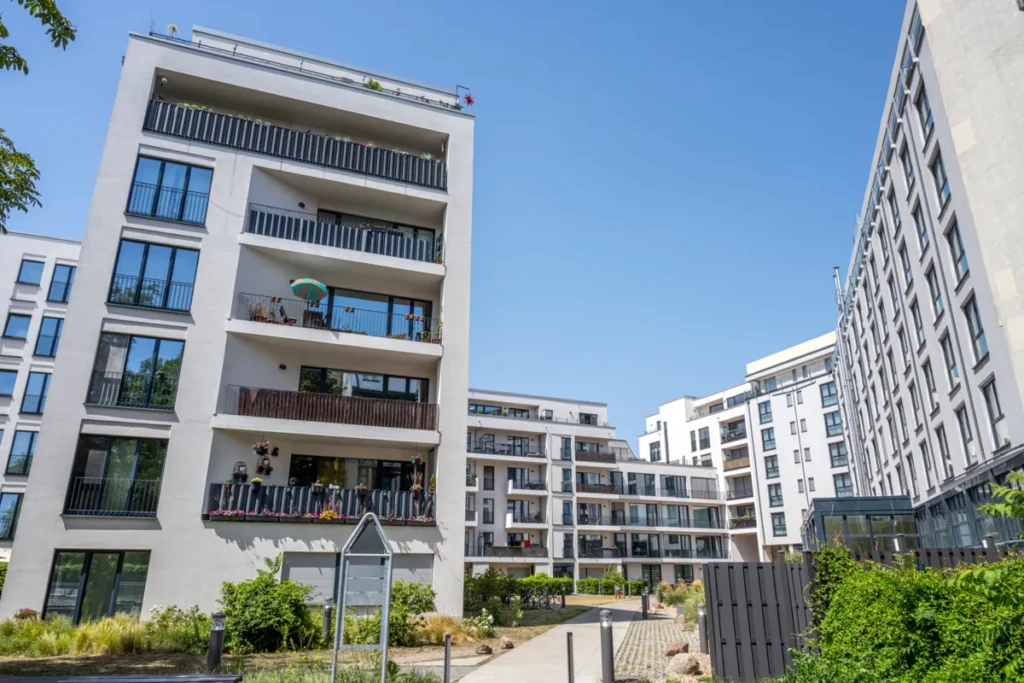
[361,489]
[275,451]
[263,465]
[261,447]
[417,459]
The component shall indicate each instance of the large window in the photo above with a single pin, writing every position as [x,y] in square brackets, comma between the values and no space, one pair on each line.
[168,190]
[778,523]
[768,439]
[764,409]
[17,326]
[833,424]
[153,276]
[30,272]
[488,517]
[775,495]
[22,450]
[10,506]
[89,585]
[941,179]
[924,113]
[136,372]
[908,166]
[771,466]
[949,356]
[7,381]
[34,399]
[837,454]
[705,438]
[976,329]
[936,292]
[49,337]
[829,396]
[966,435]
[956,251]
[116,477]
[843,484]
[922,228]
[915,313]
[363,385]
[479,409]
[994,410]
[655,451]
[60,284]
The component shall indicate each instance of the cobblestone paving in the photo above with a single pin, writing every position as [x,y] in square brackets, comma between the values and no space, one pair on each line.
[642,653]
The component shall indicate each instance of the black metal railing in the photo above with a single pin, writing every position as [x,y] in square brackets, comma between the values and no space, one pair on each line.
[33,403]
[734,434]
[133,390]
[131,290]
[743,523]
[99,497]
[739,492]
[260,503]
[605,456]
[296,312]
[245,134]
[506,449]
[601,553]
[19,463]
[471,480]
[526,517]
[169,203]
[480,550]
[46,345]
[602,489]
[518,485]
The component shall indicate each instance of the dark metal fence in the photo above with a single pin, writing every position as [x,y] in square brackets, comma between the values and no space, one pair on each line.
[258,503]
[133,390]
[169,203]
[131,290]
[100,497]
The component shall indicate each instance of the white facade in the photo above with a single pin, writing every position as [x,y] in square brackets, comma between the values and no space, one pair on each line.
[774,442]
[551,489]
[230,169]
[36,278]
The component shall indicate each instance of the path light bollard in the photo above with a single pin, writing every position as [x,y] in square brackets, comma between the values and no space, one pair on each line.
[447,658]
[702,627]
[563,595]
[607,648]
[325,624]
[644,596]
[216,642]
[568,644]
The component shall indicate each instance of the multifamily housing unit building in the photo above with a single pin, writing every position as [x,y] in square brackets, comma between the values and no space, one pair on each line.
[775,443]
[549,488]
[214,405]
[36,278]
[931,314]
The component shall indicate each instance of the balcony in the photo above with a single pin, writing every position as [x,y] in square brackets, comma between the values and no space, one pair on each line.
[601,553]
[275,310]
[677,552]
[501,411]
[367,237]
[316,407]
[640,490]
[471,481]
[644,552]
[471,517]
[510,552]
[132,390]
[673,492]
[704,493]
[506,449]
[592,520]
[734,434]
[600,489]
[252,503]
[739,492]
[736,463]
[746,522]
[516,519]
[129,290]
[526,487]
[98,497]
[712,554]
[235,132]
[167,203]
[706,524]
[606,456]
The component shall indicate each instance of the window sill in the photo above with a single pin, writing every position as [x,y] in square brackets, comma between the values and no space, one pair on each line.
[954,391]
[138,307]
[30,284]
[148,409]
[938,319]
[13,338]
[918,429]
[43,355]
[166,220]
[982,362]
[961,281]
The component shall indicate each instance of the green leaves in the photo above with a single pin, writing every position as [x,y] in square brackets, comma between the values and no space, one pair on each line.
[1011,505]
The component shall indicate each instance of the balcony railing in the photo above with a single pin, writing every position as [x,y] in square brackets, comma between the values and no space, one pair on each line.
[507,551]
[369,238]
[712,554]
[235,502]
[168,203]
[98,497]
[133,390]
[506,449]
[471,480]
[60,291]
[516,485]
[743,523]
[644,552]
[33,404]
[840,461]
[640,490]
[524,518]
[470,515]
[739,492]
[601,553]
[591,520]
[706,524]
[542,418]
[247,135]
[677,552]
[673,492]
[291,312]
[603,489]
[315,407]
[736,463]
[19,463]
[734,434]
[606,456]
[130,290]
[704,493]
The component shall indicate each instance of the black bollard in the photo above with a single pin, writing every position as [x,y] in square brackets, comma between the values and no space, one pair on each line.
[568,644]
[563,596]
[213,655]
[325,624]
[447,658]
[607,648]
[643,603]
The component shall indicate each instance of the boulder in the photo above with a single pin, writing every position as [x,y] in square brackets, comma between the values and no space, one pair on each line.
[678,647]
[505,643]
[484,650]
[683,665]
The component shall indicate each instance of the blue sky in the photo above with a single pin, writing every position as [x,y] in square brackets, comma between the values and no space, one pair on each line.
[661,189]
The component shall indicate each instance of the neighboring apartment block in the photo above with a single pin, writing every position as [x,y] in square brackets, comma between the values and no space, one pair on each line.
[931,315]
[36,278]
[775,443]
[550,489]
[232,171]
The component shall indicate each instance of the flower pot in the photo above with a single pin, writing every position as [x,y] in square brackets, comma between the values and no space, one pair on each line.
[328,521]
[261,518]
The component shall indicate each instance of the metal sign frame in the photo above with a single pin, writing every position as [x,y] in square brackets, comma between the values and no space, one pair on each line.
[369,524]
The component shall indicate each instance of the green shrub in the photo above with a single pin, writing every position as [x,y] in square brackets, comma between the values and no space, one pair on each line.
[267,615]
[409,601]
[3,576]
[538,584]
[832,566]
[172,629]
[479,592]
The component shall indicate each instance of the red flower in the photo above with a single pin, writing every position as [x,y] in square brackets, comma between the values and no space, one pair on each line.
[469,99]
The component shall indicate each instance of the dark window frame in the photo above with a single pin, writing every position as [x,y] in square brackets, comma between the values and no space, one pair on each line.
[66,284]
[21,271]
[55,337]
[83,579]
[9,371]
[152,375]
[31,451]
[168,283]
[17,511]
[159,186]
[41,402]
[7,324]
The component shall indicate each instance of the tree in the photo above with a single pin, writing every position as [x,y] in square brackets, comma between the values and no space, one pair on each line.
[18,172]
[1011,498]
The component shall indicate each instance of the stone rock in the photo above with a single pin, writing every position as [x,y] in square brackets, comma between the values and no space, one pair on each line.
[505,643]
[484,650]
[683,665]
[676,648]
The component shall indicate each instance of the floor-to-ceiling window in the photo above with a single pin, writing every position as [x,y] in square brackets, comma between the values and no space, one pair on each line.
[89,585]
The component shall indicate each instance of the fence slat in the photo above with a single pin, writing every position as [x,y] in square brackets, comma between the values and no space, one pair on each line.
[744,638]
[759,644]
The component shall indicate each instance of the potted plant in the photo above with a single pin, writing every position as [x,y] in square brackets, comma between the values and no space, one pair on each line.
[361,489]
[257,484]
[258,312]
[261,447]
[328,516]
[416,459]
[433,484]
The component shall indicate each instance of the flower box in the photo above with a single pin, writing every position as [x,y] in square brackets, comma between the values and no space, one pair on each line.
[393,522]
[420,522]
[261,518]
[227,518]
[319,520]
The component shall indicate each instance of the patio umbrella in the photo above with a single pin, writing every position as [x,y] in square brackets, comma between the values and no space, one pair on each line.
[309,289]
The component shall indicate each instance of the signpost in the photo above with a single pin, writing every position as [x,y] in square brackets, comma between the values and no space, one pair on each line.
[364,581]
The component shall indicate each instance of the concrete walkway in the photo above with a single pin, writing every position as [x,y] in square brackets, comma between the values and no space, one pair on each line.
[544,658]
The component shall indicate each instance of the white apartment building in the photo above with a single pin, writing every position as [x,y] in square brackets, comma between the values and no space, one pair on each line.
[36,278]
[549,488]
[774,442]
[231,169]
[931,316]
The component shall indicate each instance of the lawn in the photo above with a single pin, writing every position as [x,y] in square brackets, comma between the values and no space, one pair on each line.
[534,623]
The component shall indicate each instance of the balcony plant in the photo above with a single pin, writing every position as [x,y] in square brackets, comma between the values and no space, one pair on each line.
[433,484]
[257,483]
[261,447]
[361,489]
[258,312]
[417,459]
[228,515]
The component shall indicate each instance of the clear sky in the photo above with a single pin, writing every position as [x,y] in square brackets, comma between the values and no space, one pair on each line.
[661,189]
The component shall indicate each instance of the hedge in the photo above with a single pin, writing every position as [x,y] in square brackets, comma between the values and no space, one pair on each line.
[537,584]
[607,587]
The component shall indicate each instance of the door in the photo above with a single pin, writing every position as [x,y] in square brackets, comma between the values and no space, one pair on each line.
[99,586]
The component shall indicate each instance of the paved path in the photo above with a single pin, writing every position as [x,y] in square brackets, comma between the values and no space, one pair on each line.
[544,659]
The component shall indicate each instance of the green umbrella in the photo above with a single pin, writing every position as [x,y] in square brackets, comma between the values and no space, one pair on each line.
[309,289]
